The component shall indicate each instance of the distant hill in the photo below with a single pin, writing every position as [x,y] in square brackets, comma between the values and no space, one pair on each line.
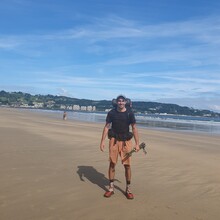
[20,99]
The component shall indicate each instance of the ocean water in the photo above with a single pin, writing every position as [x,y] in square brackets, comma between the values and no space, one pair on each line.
[151,121]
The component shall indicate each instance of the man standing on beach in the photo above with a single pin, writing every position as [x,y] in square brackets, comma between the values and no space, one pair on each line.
[64,115]
[120,118]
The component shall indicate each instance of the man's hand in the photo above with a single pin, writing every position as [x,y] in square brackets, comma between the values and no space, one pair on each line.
[137,148]
[102,146]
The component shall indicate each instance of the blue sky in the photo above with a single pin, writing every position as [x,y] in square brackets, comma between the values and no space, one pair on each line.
[155,50]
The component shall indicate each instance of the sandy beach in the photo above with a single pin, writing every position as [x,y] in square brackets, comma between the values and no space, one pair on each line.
[53,169]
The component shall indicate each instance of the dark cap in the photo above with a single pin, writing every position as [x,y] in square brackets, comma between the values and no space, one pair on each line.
[121,97]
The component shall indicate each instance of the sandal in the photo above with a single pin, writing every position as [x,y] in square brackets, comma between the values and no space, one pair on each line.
[108,194]
[129,194]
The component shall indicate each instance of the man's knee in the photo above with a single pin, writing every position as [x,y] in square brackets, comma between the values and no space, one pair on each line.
[127,166]
[112,166]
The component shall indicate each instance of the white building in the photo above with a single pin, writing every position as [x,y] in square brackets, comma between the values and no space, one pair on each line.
[38,104]
[76,107]
[83,108]
[69,107]
[89,108]
[63,107]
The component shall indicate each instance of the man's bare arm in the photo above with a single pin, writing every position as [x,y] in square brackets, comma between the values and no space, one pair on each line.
[136,137]
[104,134]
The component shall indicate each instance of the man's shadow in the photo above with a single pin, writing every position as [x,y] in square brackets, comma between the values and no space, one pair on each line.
[95,177]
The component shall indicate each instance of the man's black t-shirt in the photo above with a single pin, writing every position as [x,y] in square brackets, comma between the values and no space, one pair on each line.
[120,120]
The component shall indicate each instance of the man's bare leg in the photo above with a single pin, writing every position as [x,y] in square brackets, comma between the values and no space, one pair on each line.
[111,174]
[111,171]
[128,192]
[127,173]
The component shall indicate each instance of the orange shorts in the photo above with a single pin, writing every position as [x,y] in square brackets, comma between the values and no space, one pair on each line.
[120,148]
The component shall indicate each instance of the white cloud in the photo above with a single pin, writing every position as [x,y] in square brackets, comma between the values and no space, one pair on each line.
[181,58]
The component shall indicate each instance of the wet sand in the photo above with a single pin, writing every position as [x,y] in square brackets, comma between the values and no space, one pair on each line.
[53,169]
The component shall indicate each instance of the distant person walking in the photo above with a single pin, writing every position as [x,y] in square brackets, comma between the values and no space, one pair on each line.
[120,118]
[64,115]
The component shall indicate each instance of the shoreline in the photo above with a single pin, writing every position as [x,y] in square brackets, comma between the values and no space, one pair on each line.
[195,127]
[53,169]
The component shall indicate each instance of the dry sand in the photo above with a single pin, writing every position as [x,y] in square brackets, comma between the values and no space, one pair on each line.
[53,169]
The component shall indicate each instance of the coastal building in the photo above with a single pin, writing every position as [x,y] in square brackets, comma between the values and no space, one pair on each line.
[50,104]
[24,105]
[83,108]
[38,104]
[76,107]
[69,107]
[62,107]
[89,108]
